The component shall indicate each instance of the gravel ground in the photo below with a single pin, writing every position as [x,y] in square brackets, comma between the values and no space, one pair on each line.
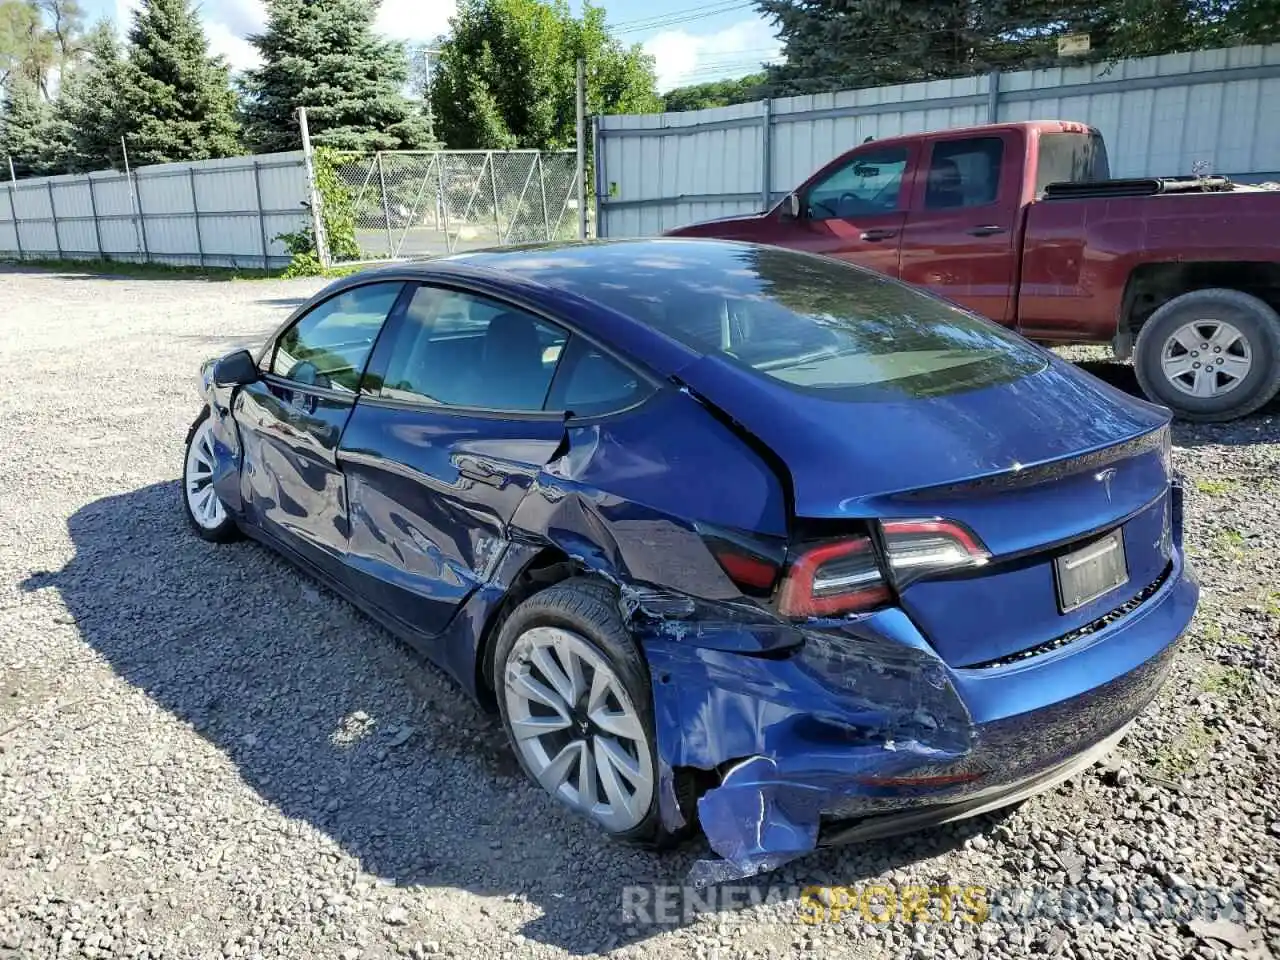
[203,753]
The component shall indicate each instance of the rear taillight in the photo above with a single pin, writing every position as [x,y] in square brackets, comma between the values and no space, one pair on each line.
[831,579]
[924,548]
[846,576]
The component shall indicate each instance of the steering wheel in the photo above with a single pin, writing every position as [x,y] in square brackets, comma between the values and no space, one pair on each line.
[306,372]
[822,207]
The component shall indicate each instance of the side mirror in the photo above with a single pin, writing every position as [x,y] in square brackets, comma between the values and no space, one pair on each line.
[235,369]
[791,206]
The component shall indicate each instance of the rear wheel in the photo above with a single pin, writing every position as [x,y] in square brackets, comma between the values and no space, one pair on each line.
[573,690]
[205,512]
[1210,355]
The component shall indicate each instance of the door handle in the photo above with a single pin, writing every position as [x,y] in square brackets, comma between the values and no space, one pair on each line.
[876,236]
[986,231]
[480,473]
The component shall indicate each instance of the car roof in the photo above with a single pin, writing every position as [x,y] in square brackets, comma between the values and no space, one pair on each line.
[553,265]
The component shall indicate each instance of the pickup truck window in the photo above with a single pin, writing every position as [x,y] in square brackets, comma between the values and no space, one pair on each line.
[869,184]
[964,173]
[1070,158]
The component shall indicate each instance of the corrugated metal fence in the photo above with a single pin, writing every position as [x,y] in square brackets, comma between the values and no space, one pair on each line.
[1159,115]
[208,213]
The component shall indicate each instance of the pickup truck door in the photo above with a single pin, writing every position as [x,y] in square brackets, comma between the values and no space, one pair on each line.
[960,236]
[855,208]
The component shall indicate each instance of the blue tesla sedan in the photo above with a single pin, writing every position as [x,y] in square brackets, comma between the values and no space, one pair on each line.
[730,535]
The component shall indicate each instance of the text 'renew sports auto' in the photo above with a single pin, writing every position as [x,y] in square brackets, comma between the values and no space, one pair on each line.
[729,534]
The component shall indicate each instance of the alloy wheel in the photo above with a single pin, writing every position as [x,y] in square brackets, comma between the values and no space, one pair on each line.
[1206,358]
[576,728]
[202,499]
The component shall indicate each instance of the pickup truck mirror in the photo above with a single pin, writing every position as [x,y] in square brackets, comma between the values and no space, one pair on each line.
[791,207]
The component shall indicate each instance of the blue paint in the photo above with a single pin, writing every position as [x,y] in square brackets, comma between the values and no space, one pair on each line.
[426,516]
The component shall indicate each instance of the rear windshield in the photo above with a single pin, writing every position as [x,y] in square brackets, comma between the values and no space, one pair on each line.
[817,325]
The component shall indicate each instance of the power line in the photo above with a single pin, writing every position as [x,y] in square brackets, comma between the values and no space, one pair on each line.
[702,8]
[679,17]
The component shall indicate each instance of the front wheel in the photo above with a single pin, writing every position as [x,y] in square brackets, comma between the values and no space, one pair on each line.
[205,512]
[1210,355]
[573,690]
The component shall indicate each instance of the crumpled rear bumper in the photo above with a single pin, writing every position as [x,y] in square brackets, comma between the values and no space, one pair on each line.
[865,722]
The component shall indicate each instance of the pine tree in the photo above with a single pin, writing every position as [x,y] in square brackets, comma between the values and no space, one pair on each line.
[844,44]
[89,115]
[25,127]
[179,103]
[326,55]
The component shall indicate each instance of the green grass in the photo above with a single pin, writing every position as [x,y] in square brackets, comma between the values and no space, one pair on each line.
[1230,541]
[163,271]
[1231,682]
[1180,755]
[1216,488]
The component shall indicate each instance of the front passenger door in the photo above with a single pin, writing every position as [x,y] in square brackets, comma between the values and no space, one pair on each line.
[856,210]
[291,420]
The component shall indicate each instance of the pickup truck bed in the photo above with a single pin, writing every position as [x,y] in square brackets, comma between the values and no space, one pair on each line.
[1022,224]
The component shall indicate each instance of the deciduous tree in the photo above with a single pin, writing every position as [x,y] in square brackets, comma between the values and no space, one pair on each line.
[506,74]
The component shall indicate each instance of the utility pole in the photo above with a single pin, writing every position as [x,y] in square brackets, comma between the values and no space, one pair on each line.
[427,53]
[582,149]
[313,191]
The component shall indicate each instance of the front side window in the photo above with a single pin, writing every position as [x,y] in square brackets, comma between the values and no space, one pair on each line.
[328,347]
[964,173]
[869,184]
[462,350]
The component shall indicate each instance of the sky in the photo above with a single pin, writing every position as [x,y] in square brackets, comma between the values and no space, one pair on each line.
[690,42]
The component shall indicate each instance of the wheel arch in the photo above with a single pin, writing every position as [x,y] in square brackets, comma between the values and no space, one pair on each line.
[547,567]
[1151,285]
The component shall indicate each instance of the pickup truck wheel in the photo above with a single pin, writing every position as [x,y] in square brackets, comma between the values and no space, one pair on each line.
[1210,355]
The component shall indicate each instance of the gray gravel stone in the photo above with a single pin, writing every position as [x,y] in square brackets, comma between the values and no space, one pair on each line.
[203,752]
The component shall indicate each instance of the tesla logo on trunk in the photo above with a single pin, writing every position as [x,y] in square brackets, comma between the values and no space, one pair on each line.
[1105,477]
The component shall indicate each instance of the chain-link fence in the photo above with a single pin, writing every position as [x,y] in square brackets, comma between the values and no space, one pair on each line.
[416,203]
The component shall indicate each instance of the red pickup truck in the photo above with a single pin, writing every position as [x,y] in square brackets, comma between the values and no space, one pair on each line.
[1021,222]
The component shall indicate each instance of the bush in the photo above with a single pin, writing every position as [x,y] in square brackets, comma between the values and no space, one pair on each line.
[337,213]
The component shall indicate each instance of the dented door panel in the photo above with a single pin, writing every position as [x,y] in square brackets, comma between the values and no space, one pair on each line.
[431,494]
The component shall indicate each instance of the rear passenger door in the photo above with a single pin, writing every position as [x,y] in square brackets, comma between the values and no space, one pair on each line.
[959,237]
[460,410]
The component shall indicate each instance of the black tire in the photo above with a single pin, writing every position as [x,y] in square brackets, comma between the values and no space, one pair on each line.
[226,530]
[589,607]
[1257,322]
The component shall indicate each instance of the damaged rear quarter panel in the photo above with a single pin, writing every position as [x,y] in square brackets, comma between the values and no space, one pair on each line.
[858,697]
[629,491]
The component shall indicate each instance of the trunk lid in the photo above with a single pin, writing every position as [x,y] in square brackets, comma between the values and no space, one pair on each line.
[1037,467]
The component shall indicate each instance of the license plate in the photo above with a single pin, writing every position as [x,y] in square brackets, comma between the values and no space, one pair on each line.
[1086,574]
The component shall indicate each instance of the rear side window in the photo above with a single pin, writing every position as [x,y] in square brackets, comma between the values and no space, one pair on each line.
[590,383]
[461,350]
[964,173]
[1070,158]
[328,347]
